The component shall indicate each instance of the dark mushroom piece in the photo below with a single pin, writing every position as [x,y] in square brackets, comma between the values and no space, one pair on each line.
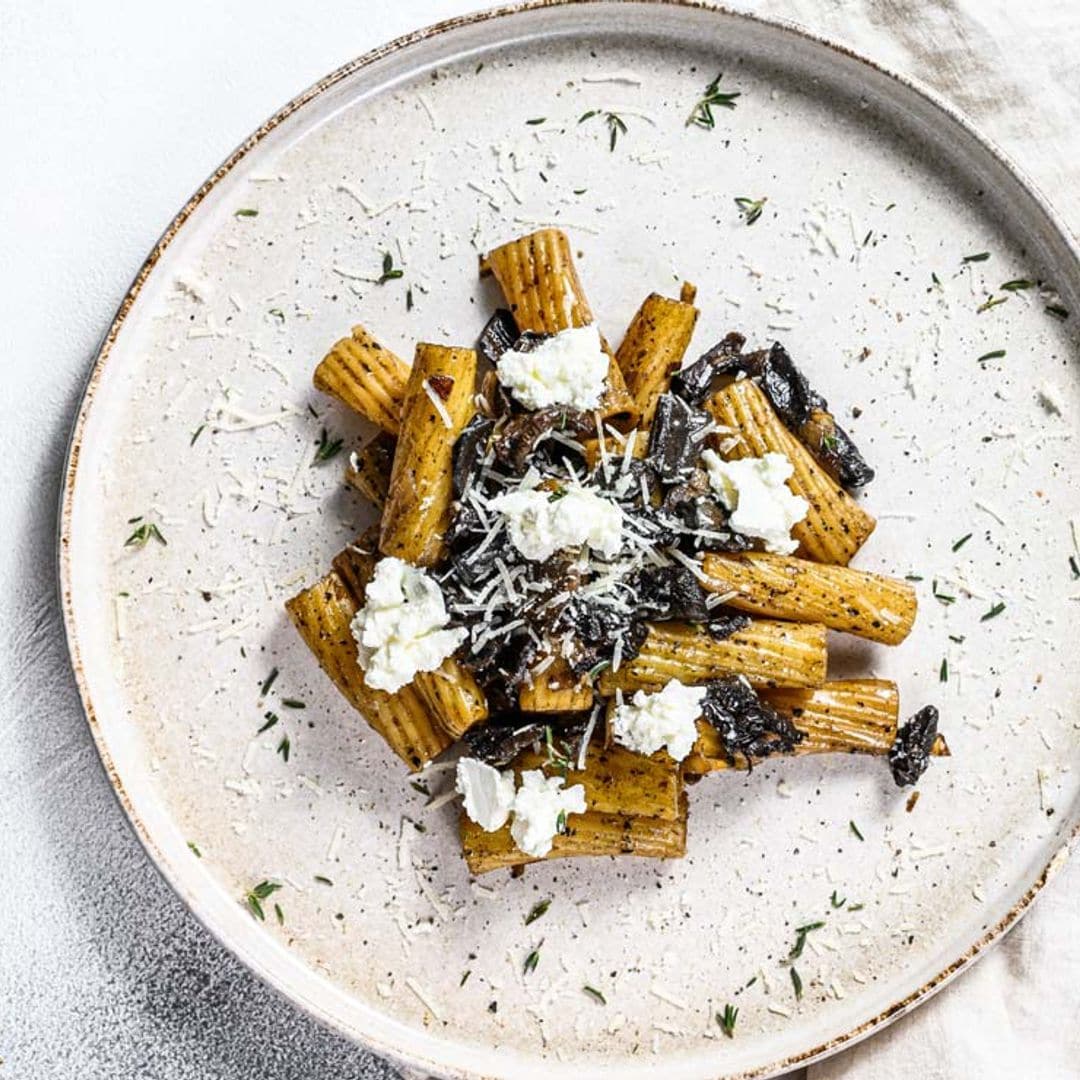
[909,754]
[746,724]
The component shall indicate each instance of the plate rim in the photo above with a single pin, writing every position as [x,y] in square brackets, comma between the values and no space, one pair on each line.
[402,1053]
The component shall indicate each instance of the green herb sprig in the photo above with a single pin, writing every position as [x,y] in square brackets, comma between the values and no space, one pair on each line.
[701,115]
[143,534]
[259,893]
[750,209]
[329,447]
[726,1020]
[389,271]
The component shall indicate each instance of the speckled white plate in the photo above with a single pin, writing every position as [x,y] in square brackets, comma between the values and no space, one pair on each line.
[434,148]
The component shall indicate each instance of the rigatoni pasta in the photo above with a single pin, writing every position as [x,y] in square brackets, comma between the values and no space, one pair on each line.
[323,615]
[540,282]
[365,376]
[438,404]
[555,690]
[836,526]
[767,653]
[653,348]
[778,586]
[368,471]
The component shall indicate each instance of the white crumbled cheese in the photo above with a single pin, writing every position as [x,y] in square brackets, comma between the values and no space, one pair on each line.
[543,522]
[401,629]
[648,722]
[568,368]
[488,793]
[756,493]
[538,805]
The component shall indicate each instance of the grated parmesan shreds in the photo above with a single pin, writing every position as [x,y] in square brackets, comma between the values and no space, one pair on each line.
[437,405]
[423,996]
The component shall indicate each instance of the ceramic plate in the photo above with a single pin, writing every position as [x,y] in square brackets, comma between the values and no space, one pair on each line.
[889,231]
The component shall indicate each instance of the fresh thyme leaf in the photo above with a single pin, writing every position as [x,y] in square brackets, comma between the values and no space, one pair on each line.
[254,897]
[271,720]
[194,849]
[701,115]
[958,638]
[198,431]
[465,977]
[283,747]
[1017,285]
[935,279]
[891,206]
[555,758]
[943,673]
[615,123]
[796,983]
[913,577]
[268,682]
[323,880]
[800,939]
[245,211]
[1057,311]
[293,703]
[856,907]
[961,542]
[855,830]
[329,447]
[1074,566]
[990,302]
[421,787]
[536,120]
[560,823]
[727,1019]
[994,612]
[557,494]
[532,960]
[616,126]
[941,597]
[866,238]
[280,915]
[389,271]
[594,994]
[277,313]
[837,903]
[597,668]
[982,256]
[750,209]
[538,911]
[408,299]
[996,354]
[580,190]
[145,532]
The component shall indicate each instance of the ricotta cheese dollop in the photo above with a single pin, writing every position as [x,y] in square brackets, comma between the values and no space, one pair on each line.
[649,722]
[488,793]
[756,493]
[538,805]
[401,629]
[542,522]
[568,368]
